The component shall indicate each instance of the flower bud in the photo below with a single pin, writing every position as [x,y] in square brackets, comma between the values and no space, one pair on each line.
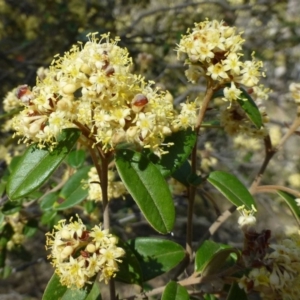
[91,248]
[138,102]
[67,251]
[69,88]
[65,234]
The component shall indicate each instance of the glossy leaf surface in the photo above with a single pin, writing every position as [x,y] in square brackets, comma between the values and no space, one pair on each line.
[54,289]
[291,202]
[231,188]
[76,158]
[183,143]
[73,192]
[37,165]
[156,256]
[175,291]
[211,257]
[148,189]
[250,108]
[130,269]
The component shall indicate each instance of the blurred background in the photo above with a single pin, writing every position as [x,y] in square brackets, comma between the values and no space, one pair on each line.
[32,32]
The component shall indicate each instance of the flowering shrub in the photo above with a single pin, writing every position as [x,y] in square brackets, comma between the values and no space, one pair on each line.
[90,101]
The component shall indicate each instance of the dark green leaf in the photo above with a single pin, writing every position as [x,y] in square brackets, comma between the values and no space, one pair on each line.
[183,173]
[250,108]
[48,201]
[30,228]
[195,180]
[37,165]
[48,216]
[236,293]
[148,188]
[219,93]
[89,206]
[14,162]
[54,289]
[3,182]
[247,104]
[206,253]
[76,158]
[6,233]
[156,256]
[220,260]
[175,291]
[73,192]
[231,188]
[130,269]
[10,208]
[184,142]
[291,202]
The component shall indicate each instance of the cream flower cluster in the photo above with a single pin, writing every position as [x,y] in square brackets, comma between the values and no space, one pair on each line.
[295,91]
[115,189]
[11,101]
[79,254]
[235,121]
[91,87]
[212,50]
[17,224]
[278,277]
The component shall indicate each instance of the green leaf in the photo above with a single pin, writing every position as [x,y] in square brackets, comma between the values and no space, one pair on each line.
[205,253]
[290,201]
[184,142]
[37,165]
[130,269]
[48,216]
[247,104]
[250,108]
[95,292]
[156,256]
[183,173]
[48,201]
[212,257]
[231,188]
[54,290]
[236,293]
[10,208]
[2,218]
[219,261]
[6,233]
[30,228]
[75,294]
[76,158]
[73,192]
[175,291]
[148,189]
[14,162]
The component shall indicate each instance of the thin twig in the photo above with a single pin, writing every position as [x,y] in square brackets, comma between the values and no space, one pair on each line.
[192,189]
[275,189]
